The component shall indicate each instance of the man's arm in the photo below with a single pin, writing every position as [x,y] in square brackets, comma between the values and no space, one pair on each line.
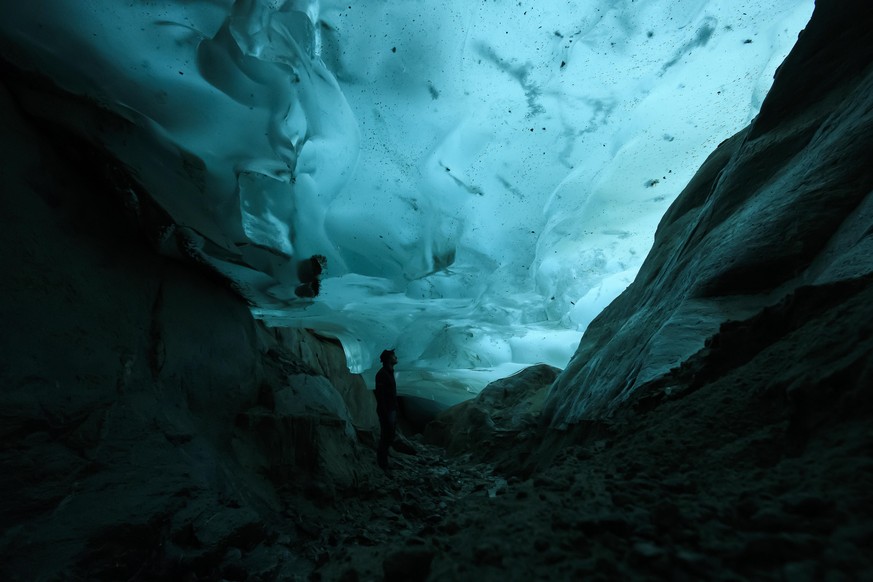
[379,392]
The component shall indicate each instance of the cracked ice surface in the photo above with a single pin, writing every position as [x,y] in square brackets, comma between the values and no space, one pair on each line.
[483,177]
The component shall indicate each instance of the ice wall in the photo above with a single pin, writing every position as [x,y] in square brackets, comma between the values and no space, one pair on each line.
[483,177]
[244,136]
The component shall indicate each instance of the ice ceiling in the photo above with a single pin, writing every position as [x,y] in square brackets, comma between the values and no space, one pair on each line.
[482,177]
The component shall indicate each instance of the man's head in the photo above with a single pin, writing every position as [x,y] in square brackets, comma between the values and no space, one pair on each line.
[388,358]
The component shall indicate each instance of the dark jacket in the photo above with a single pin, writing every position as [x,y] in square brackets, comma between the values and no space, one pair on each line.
[386,392]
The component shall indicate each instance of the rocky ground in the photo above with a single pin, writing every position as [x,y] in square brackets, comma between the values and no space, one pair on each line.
[600,512]
[392,525]
[713,487]
[753,460]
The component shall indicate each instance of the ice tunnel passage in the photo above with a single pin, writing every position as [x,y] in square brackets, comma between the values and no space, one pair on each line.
[481,177]
[159,177]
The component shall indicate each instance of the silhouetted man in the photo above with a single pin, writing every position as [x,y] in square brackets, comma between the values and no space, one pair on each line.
[386,405]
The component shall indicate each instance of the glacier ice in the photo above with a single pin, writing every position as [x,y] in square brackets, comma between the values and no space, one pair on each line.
[482,177]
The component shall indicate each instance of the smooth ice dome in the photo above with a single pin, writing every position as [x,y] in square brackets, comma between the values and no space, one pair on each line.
[481,179]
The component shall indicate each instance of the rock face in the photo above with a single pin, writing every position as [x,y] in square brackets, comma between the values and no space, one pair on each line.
[778,214]
[150,427]
[715,421]
[502,413]
[327,359]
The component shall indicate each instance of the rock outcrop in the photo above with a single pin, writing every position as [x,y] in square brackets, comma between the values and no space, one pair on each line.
[504,412]
[782,210]
[150,427]
[326,357]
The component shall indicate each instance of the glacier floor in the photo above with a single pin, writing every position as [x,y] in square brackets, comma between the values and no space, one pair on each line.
[697,494]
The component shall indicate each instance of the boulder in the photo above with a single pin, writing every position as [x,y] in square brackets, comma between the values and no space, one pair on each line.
[499,414]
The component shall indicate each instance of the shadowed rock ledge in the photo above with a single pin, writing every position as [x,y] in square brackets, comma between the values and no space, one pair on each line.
[150,427]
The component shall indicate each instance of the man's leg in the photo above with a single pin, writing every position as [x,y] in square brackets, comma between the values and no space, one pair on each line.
[386,437]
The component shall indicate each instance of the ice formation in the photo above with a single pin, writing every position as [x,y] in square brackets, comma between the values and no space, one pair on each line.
[482,178]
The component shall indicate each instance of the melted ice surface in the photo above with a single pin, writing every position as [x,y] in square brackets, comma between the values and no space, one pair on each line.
[482,177]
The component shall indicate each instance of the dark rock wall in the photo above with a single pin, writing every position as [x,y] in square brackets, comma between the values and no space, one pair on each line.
[779,212]
[148,423]
[504,413]
[327,358]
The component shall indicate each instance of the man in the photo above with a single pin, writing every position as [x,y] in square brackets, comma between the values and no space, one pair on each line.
[386,405]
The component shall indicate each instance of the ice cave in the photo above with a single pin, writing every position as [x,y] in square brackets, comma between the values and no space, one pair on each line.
[622,249]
